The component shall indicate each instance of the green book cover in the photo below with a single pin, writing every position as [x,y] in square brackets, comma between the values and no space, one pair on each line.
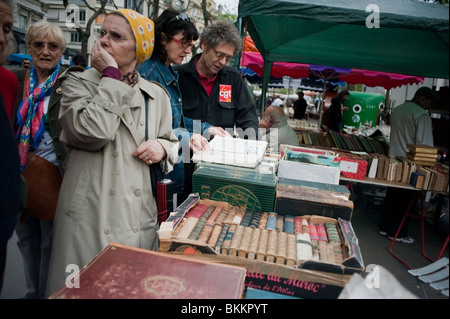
[236,186]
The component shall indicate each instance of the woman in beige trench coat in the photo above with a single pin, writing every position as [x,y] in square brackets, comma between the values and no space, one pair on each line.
[106,194]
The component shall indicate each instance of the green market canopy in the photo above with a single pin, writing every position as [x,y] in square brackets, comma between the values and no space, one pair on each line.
[397,36]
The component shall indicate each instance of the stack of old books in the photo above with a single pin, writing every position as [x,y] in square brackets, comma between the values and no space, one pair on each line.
[422,154]
[428,175]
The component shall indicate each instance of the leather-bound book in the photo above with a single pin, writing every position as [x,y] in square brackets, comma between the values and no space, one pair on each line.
[123,272]
[300,201]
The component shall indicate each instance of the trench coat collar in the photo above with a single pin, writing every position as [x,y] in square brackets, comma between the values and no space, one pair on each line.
[94,76]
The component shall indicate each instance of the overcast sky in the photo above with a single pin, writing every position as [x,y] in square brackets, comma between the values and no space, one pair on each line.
[231,5]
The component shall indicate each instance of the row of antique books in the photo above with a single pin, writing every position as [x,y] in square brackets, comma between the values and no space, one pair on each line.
[418,168]
[343,141]
[428,175]
[410,169]
[404,170]
[264,236]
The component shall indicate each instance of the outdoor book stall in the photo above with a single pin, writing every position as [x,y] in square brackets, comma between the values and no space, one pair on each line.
[256,214]
[276,225]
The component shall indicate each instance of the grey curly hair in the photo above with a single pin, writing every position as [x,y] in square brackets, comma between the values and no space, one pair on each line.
[215,33]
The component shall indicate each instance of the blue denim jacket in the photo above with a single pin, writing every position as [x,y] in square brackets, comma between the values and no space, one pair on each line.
[155,70]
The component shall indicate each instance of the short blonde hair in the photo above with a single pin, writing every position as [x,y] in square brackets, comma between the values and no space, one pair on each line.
[45,30]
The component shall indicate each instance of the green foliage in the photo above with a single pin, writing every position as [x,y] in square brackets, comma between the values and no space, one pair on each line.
[227,17]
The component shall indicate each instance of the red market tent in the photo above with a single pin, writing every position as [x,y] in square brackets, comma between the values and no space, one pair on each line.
[255,62]
[405,37]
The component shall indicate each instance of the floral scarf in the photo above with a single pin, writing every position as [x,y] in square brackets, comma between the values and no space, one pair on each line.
[30,115]
[130,78]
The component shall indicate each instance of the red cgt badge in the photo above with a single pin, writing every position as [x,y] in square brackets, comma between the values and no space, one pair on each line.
[225,93]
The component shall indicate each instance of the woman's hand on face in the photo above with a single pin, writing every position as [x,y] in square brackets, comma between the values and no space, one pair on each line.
[198,143]
[101,58]
[150,152]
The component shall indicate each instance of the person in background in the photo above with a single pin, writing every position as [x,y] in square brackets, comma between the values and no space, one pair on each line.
[26,63]
[214,94]
[9,85]
[175,34]
[115,125]
[79,60]
[37,131]
[9,161]
[336,109]
[300,106]
[277,101]
[410,124]
[277,130]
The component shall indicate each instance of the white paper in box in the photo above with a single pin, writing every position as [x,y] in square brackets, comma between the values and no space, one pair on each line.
[233,151]
[309,172]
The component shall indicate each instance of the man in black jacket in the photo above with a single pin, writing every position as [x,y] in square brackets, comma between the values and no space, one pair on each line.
[336,109]
[213,92]
[214,95]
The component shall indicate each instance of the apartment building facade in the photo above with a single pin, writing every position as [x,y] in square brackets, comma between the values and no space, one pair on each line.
[79,12]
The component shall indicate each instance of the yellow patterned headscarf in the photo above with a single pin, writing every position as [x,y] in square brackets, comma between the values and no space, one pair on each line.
[144,33]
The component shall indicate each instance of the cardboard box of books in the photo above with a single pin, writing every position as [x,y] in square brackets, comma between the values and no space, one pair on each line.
[308,164]
[354,164]
[315,243]
[233,152]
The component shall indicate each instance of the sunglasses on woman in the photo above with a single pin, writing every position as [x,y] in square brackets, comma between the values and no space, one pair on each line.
[180,17]
[184,44]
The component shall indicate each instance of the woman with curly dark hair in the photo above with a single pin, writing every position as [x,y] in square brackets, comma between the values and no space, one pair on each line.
[175,36]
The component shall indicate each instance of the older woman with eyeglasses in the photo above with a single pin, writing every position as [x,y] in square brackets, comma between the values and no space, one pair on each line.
[35,121]
[116,125]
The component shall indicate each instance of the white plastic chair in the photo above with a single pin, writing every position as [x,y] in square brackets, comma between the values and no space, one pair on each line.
[435,274]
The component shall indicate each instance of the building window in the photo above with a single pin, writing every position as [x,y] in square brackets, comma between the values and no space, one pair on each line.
[82,15]
[75,37]
[23,21]
[134,5]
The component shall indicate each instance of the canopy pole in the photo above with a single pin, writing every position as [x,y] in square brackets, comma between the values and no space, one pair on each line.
[265,83]
[322,103]
[243,34]
[387,103]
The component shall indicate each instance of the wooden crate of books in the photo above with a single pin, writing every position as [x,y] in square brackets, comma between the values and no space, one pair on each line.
[274,248]
[205,226]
